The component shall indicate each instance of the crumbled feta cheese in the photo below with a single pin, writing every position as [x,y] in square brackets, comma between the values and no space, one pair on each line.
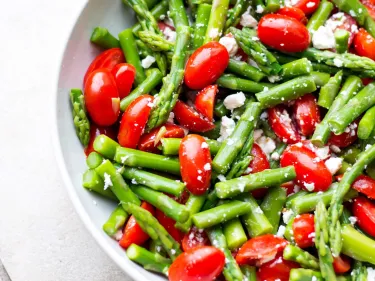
[335,149]
[257,134]
[275,156]
[168,20]
[107,181]
[148,61]
[226,129]
[267,144]
[354,28]
[230,44]
[214,33]
[221,178]
[290,3]
[322,153]
[353,220]
[258,210]
[264,115]
[247,20]
[280,231]
[314,278]
[207,167]
[368,146]
[323,38]
[337,62]
[204,145]
[287,215]
[370,274]
[333,164]
[309,186]
[259,9]
[171,118]
[252,63]
[235,100]
[169,34]
[274,78]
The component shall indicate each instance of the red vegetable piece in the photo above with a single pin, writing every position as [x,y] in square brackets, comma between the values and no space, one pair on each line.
[346,138]
[307,6]
[194,238]
[134,120]
[304,230]
[95,131]
[276,270]
[364,44]
[341,264]
[283,33]
[364,210]
[282,125]
[124,74]
[102,98]
[168,224]
[206,65]
[293,12]
[202,263]
[363,184]
[306,114]
[204,101]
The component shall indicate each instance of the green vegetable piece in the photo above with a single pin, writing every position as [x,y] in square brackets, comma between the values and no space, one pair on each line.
[342,40]
[301,274]
[80,120]
[94,160]
[103,38]
[200,28]
[329,91]
[170,146]
[245,70]
[92,182]
[105,146]
[320,16]
[305,259]
[232,82]
[296,68]
[115,223]
[234,233]
[194,204]
[216,22]
[366,125]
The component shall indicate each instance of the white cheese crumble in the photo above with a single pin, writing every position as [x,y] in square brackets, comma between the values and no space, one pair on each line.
[118,235]
[107,181]
[169,34]
[148,61]
[287,215]
[221,178]
[353,220]
[267,144]
[322,153]
[370,274]
[281,231]
[309,186]
[335,149]
[235,100]
[337,62]
[230,44]
[258,210]
[257,134]
[259,9]
[333,164]
[171,118]
[323,38]
[214,33]
[247,20]
[274,78]
[226,129]
[275,156]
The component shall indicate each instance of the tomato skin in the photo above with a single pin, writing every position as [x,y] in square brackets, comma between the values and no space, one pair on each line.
[364,44]
[258,164]
[370,6]
[194,155]
[305,6]
[95,131]
[133,121]
[306,114]
[204,102]
[124,74]
[203,263]
[194,238]
[346,138]
[277,269]
[364,210]
[133,233]
[293,12]
[309,168]
[283,33]
[363,184]
[107,59]
[341,264]
[102,98]
[206,65]
[168,224]
[147,141]
[261,249]
[303,227]
[190,119]
[289,187]
[282,125]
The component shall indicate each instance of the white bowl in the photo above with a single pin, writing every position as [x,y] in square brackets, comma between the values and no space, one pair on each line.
[79,52]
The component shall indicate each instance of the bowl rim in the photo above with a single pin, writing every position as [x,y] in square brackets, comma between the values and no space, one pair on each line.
[78,206]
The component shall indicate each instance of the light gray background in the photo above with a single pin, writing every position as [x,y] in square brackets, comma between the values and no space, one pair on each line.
[41,236]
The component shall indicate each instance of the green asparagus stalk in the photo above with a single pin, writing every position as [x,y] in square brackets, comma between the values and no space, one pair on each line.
[215,132]
[255,221]
[351,86]
[359,272]
[158,11]
[178,14]
[220,214]
[272,205]
[305,259]
[200,28]
[136,158]
[244,69]
[272,5]
[301,274]
[234,233]
[154,229]
[291,197]
[143,49]
[194,204]
[320,78]
[329,91]
[216,23]
[115,223]
[342,40]
[156,247]
[170,146]
[249,272]
[286,91]
[92,182]
[162,202]
[105,146]
[113,180]
[235,13]
[150,261]
[80,120]
[219,109]
[320,16]
[104,39]
[232,82]
[129,48]
[231,271]
[366,125]
[155,42]
[231,188]
[278,151]
[94,160]
[296,68]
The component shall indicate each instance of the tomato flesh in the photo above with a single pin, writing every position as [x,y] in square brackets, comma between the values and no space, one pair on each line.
[276,270]
[195,238]
[364,210]
[282,125]
[303,230]
[341,264]
[306,114]
[168,224]
[124,74]
[204,102]
[364,44]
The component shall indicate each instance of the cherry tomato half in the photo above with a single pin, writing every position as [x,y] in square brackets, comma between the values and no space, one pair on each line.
[307,6]
[312,173]
[341,264]
[364,210]
[363,184]
[258,164]
[190,119]
[149,143]
[124,74]
[293,12]
[101,97]
[306,114]
[346,138]
[133,233]
[195,159]
[283,33]
[282,124]
[203,263]
[95,131]
[204,102]
[364,44]
[303,230]
[108,59]
[206,65]
[195,238]
[261,249]
[133,121]
[277,269]
[168,224]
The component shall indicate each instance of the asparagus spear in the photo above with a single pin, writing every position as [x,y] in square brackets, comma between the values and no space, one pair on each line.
[105,146]
[243,69]
[234,233]
[320,16]
[115,223]
[154,229]
[249,272]
[359,272]
[329,91]
[286,91]
[342,40]
[150,261]
[104,39]
[155,42]
[296,68]
[93,182]
[200,28]
[278,151]
[366,125]
[305,259]
[194,204]
[231,188]
[235,13]
[231,271]
[216,23]
[159,10]
[301,274]
[94,160]
[80,120]
[170,146]
[232,82]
